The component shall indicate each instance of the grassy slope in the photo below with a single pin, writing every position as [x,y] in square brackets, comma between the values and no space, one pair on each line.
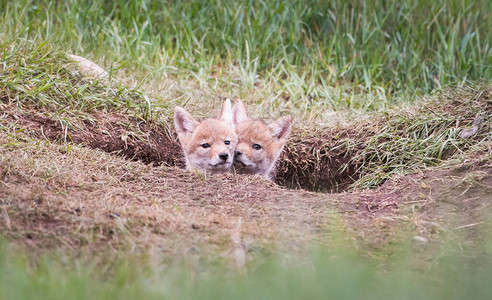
[87,223]
[306,55]
[39,81]
[338,55]
[54,196]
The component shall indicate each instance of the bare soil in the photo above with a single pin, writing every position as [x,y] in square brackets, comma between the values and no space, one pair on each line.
[315,162]
[112,132]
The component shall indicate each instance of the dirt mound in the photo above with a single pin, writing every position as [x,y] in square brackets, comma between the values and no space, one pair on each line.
[91,200]
[113,133]
[323,159]
[87,200]
[307,162]
[320,161]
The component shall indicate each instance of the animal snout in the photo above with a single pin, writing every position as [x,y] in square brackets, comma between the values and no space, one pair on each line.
[224,156]
[237,153]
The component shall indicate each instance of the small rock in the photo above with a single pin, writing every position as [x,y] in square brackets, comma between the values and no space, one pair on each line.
[88,68]
[420,239]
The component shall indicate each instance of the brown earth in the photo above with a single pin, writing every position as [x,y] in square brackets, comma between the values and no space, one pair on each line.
[327,159]
[86,200]
[304,163]
[112,132]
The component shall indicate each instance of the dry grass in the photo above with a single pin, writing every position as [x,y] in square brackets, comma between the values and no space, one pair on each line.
[40,90]
[64,191]
[57,193]
[367,153]
[83,200]
[358,154]
[87,200]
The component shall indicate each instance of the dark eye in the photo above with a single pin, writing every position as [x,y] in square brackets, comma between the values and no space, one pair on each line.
[205,145]
[256,147]
[227,142]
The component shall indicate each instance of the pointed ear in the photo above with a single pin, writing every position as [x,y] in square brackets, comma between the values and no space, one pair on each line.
[226,112]
[183,121]
[281,128]
[239,112]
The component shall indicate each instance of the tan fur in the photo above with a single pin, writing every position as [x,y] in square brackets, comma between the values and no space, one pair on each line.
[271,138]
[214,132]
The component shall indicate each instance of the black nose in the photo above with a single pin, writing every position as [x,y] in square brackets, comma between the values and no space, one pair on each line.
[224,156]
[237,152]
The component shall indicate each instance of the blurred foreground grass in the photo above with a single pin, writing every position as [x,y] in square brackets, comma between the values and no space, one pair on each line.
[337,274]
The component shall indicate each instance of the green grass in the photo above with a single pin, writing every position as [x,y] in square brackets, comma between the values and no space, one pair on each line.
[200,41]
[301,57]
[38,76]
[338,274]
[316,54]
[405,141]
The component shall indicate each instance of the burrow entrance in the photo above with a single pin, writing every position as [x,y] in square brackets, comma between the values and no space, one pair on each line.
[323,160]
[318,163]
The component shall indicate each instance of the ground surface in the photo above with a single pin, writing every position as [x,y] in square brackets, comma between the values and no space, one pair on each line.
[76,196]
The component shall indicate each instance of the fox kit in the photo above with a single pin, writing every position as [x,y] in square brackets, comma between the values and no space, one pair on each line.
[259,145]
[207,145]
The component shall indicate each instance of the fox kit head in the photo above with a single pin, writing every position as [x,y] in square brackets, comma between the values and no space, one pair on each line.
[259,145]
[207,145]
